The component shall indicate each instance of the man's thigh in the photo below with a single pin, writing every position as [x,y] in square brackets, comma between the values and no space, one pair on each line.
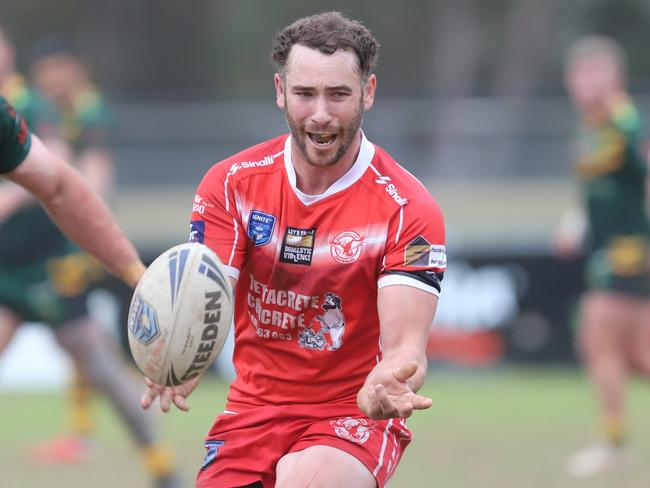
[607,319]
[640,340]
[322,467]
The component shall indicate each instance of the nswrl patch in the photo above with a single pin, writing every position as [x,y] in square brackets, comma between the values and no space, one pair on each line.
[260,227]
[212,448]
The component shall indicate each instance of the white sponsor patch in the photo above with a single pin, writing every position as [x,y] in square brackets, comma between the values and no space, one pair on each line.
[438,256]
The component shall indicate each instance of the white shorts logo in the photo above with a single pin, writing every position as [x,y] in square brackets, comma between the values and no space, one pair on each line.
[353,430]
[346,246]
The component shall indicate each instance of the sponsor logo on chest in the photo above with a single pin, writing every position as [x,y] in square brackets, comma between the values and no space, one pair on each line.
[298,246]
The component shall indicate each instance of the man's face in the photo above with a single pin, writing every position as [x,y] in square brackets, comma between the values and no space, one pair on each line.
[590,82]
[57,77]
[323,101]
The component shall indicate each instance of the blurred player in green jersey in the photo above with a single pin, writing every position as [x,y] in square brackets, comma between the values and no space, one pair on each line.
[43,278]
[82,122]
[614,334]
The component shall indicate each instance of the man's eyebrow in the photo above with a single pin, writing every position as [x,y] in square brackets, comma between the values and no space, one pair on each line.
[339,88]
[328,88]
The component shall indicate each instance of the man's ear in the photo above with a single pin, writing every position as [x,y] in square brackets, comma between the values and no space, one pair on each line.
[279,91]
[369,92]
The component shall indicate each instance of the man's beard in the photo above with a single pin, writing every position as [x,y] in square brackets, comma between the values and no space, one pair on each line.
[345,134]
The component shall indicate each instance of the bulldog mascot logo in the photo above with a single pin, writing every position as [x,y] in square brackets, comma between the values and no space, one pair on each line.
[332,322]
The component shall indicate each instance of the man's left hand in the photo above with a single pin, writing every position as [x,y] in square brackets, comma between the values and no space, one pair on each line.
[390,396]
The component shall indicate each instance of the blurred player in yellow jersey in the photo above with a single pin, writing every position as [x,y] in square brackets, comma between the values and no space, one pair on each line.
[43,278]
[614,334]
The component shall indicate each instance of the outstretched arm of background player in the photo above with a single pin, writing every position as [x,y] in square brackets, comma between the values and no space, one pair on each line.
[77,211]
[570,233]
[405,316]
[172,395]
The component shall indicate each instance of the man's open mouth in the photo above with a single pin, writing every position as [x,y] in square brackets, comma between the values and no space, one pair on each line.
[322,140]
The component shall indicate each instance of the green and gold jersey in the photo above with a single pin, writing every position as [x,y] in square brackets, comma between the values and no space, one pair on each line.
[87,122]
[612,170]
[28,233]
[39,114]
[15,139]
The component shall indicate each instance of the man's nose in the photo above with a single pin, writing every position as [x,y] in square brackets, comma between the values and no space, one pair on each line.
[321,115]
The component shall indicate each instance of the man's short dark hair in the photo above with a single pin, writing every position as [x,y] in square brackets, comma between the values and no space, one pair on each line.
[328,32]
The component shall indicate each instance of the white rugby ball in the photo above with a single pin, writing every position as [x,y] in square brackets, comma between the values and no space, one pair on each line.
[180,314]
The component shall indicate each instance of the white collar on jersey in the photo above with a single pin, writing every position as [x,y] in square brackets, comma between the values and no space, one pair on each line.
[366,153]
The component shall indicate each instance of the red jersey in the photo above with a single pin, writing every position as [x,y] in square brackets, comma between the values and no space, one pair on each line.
[309,267]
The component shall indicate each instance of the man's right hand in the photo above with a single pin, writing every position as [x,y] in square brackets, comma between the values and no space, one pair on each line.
[168,395]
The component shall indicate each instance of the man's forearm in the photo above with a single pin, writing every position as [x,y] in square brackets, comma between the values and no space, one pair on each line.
[88,222]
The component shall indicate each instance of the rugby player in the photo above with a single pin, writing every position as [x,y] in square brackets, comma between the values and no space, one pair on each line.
[76,210]
[32,289]
[336,254]
[614,334]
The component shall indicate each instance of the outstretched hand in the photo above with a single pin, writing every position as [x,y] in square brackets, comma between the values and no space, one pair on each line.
[391,396]
[168,395]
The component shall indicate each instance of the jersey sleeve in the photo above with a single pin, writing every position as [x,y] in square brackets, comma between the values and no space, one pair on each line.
[95,121]
[627,120]
[15,138]
[415,250]
[216,221]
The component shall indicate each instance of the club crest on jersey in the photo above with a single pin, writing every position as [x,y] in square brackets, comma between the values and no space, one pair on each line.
[346,247]
[332,322]
[353,430]
[143,321]
[212,448]
[260,227]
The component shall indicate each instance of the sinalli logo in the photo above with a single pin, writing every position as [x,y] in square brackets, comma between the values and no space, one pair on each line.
[267,161]
[391,190]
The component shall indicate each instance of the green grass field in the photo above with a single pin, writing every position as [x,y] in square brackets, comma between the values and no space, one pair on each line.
[503,428]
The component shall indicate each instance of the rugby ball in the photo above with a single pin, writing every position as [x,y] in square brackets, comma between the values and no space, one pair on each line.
[180,314]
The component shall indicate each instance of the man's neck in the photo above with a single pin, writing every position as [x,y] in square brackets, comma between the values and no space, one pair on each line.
[315,180]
